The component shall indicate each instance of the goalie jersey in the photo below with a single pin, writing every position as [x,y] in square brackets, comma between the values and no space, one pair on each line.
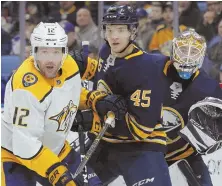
[38,115]
[139,79]
[179,97]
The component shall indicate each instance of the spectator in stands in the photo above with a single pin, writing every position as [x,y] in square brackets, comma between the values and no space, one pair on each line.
[6,19]
[88,31]
[211,19]
[70,31]
[27,49]
[206,27]
[190,15]
[162,38]
[145,30]
[6,45]
[29,26]
[215,53]
[216,7]
[33,12]
[156,14]
[67,12]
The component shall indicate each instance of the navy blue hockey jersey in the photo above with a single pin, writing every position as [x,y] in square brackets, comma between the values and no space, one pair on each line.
[179,97]
[139,79]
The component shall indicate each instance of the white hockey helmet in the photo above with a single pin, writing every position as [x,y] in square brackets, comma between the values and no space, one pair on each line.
[48,35]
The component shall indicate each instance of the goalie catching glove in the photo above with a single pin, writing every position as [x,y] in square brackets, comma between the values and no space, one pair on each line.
[204,128]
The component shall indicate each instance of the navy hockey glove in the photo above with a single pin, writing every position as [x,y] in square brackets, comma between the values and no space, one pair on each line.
[59,175]
[114,103]
[87,66]
[84,118]
[80,59]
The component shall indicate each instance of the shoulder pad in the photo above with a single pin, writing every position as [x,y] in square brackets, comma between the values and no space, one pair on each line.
[205,83]
[160,27]
[28,78]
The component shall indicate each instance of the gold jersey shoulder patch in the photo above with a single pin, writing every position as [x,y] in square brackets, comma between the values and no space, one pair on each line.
[29,79]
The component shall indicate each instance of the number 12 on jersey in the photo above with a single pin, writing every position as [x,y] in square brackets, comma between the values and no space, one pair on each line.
[141,98]
[19,114]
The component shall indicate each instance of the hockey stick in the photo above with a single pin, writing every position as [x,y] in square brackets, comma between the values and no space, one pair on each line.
[110,121]
[82,153]
[188,173]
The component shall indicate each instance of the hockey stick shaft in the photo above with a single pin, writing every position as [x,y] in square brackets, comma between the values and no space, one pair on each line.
[82,153]
[109,121]
[189,174]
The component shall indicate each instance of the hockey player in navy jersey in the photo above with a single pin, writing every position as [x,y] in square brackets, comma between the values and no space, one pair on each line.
[187,84]
[134,83]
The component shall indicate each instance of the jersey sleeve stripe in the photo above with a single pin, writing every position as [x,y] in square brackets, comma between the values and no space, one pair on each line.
[12,82]
[41,161]
[141,127]
[32,156]
[136,133]
[46,95]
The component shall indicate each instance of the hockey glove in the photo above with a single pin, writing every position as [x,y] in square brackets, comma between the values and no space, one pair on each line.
[87,66]
[84,118]
[93,97]
[114,103]
[58,175]
[80,59]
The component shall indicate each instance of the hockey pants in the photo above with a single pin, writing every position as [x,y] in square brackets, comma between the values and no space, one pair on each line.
[14,174]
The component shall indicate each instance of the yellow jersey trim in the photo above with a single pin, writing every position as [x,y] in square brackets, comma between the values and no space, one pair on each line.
[28,78]
[168,63]
[2,175]
[140,52]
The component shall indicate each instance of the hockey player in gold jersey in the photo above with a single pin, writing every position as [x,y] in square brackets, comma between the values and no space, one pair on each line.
[41,101]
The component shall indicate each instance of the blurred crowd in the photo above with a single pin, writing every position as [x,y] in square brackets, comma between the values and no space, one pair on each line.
[155,30]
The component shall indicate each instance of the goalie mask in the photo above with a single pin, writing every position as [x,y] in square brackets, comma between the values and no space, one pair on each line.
[188,53]
[49,35]
[204,128]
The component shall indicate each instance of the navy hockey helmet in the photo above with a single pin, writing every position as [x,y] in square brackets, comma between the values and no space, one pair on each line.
[120,14]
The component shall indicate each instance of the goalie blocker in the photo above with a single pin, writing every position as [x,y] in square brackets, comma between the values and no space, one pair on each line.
[204,128]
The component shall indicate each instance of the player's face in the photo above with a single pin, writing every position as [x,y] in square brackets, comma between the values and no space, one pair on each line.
[156,13]
[118,37]
[49,60]
[168,15]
